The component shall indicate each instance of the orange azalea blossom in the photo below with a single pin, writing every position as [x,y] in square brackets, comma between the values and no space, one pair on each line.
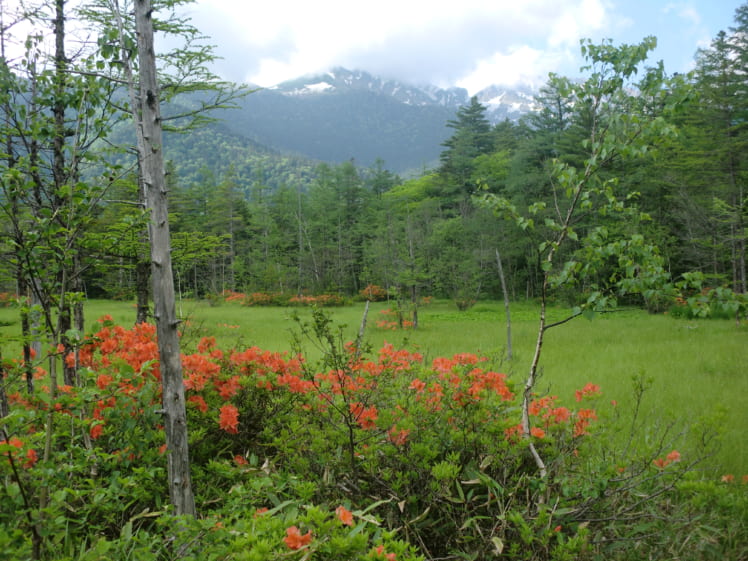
[584,416]
[295,539]
[537,432]
[364,416]
[513,433]
[96,431]
[537,406]
[199,403]
[388,556]
[103,381]
[295,384]
[398,437]
[206,344]
[589,390]
[673,456]
[227,388]
[31,456]
[397,361]
[344,515]
[70,360]
[417,385]
[229,419]
[728,478]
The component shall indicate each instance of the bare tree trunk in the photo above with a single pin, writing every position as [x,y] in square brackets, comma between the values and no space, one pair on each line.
[506,306]
[4,407]
[142,276]
[150,147]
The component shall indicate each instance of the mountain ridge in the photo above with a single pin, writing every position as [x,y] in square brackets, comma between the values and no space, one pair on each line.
[342,114]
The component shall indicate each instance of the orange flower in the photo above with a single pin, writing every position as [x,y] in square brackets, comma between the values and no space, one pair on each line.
[537,432]
[673,456]
[398,438]
[417,385]
[229,419]
[70,360]
[513,433]
[31,458]
[199,403]
[295,539]
[344,515]
[660,463]
[589,390]
[96,430]
[388,556]
[728,478]
[103,381]
[17,443]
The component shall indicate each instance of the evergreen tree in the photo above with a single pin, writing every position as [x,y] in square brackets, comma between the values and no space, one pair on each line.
[472,137]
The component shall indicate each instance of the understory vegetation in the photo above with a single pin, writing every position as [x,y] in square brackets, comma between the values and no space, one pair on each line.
[339,451]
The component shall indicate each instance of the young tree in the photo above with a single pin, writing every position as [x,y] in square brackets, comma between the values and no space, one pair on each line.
[619,130]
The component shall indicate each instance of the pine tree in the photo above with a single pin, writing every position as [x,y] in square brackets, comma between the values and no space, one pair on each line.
[472,137]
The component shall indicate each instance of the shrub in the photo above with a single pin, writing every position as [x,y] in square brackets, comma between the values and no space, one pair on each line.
[342,453]
[321,300]
[374,293]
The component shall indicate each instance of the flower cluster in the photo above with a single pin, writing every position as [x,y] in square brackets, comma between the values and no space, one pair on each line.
[672,457]
[388,320]
[13,449]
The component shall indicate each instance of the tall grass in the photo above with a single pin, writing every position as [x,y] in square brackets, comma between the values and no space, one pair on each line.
[696,368]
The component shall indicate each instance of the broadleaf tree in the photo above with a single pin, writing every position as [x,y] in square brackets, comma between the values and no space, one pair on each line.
[574,252]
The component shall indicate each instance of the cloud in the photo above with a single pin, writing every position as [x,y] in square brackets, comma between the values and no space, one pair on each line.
[684,11]
[472,42]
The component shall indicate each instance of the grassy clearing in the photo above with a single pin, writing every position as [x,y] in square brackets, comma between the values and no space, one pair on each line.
[696,367]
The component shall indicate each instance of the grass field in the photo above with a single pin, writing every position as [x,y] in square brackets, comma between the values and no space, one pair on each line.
[696,367]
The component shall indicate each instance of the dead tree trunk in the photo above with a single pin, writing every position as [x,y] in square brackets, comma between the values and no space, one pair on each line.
[150,150]
[506,307]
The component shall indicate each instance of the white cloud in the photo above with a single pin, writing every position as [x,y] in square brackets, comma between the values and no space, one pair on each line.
[685,11]
[440,41]
[520,64]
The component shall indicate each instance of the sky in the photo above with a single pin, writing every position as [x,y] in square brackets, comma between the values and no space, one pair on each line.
[465,43]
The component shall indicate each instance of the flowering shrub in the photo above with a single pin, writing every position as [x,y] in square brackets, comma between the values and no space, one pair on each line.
[8,299]
[373,293]
[281,299]
[389,319]
[434,449]
[265,299]
[322,300]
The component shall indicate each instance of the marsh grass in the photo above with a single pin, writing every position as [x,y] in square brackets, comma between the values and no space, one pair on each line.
[696,368]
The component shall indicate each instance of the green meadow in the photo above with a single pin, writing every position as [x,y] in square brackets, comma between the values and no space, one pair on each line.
[694,368]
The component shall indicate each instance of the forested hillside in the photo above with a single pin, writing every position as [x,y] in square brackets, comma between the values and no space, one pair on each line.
[247,218]
[351,227]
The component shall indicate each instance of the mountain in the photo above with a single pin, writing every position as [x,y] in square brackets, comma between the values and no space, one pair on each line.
[508,103]
[342,115]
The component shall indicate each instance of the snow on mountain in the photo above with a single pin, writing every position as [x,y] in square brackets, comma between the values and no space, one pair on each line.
[501,102]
